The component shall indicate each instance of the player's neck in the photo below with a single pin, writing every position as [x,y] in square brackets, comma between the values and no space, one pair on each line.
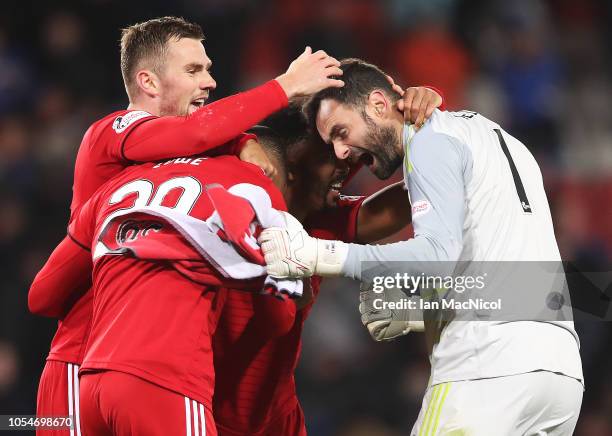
[398,125]
[149,107]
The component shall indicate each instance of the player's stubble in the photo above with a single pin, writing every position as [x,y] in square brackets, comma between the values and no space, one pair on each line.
[384,143]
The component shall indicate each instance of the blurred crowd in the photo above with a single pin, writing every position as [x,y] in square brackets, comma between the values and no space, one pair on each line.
[542,69]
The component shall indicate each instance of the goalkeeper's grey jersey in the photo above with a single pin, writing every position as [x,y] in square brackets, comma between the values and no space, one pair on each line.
[477,195]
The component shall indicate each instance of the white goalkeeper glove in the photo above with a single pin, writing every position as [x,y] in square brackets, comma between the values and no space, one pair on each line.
[291,252]
[386,324]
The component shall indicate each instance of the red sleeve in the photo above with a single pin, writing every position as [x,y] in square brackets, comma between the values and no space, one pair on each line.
[81,229]
[207,128]
[339,222]
[65,276]
[67,273]
[443,104]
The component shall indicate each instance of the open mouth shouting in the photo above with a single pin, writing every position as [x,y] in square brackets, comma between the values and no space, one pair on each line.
[197,103]
[361,157]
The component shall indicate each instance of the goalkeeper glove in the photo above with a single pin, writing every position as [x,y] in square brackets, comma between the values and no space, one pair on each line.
[291,252]
[386,324]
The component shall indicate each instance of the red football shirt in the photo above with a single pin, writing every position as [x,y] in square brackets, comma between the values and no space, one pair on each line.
[149,318]
[257,344]
[125,137]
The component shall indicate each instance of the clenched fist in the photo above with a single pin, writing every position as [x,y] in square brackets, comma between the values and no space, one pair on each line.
[291,252]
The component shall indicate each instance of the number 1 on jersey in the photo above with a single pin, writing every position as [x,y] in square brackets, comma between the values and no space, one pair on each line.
[518,183]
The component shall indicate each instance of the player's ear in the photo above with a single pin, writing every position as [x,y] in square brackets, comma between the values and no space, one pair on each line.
[148,82]
[378,104]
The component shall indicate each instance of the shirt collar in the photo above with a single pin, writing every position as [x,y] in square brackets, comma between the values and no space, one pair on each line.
[407,135]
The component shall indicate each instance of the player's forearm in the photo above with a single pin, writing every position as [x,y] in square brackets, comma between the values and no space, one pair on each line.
[212,126]
[422,254]
[65,276]
[383,213]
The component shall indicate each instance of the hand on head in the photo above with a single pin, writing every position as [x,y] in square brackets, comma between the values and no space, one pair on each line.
[309,73]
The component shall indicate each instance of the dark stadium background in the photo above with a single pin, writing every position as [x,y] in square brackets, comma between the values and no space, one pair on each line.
[540,68]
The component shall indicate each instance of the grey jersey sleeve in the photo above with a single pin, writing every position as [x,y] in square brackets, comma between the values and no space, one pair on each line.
[440,165]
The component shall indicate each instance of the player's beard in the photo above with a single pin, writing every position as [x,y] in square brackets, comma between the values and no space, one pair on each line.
[384,144]
[174,108]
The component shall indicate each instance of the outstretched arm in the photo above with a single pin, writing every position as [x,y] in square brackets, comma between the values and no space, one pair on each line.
[217,123]
[207,128]
[440,165]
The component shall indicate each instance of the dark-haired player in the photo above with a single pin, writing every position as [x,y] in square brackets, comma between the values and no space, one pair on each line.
[477,197]
[258,342]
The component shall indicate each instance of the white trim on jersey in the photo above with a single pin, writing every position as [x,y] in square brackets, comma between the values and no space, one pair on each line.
[70,404]
[197,418]
[187,416]
[77,407]
[203,419]
[74,407]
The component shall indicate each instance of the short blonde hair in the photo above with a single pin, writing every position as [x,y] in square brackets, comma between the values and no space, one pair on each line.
[147,41]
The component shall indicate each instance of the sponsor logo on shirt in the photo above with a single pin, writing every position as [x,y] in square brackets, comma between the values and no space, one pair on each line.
[124,121]
[420,207]
[349,197]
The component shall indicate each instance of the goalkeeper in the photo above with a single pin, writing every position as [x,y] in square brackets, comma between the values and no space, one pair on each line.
[477,195]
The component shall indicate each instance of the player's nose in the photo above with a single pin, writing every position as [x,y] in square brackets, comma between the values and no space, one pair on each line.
[208,83]
[342,151]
